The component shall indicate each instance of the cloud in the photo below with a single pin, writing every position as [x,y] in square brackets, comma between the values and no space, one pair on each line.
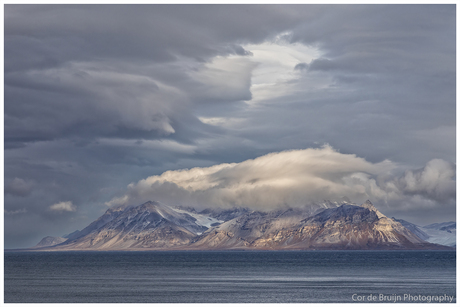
[223,79]
[285,178]
[301,66]
[89,99]
[63,206]
[241,51]
[19,187]
[14,212]
[296,178]
[434,181]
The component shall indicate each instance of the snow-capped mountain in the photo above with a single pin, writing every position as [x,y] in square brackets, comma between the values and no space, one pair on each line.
[447,226]
[243,230]
[356,227]
[442,233]
[437,233]
[344,227]
[150,225]
[329,225]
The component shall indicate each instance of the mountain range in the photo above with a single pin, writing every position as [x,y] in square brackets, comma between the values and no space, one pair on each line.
[328,225]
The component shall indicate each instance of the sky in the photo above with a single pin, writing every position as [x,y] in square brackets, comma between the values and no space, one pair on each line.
[261,106]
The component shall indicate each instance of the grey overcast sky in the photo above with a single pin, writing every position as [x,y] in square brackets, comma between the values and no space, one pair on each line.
[244,105]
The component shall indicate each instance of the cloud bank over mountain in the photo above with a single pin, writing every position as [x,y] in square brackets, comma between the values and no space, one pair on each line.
[298,178]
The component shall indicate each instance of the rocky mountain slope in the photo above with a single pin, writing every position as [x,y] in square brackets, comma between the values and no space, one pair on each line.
[50,241]
[153,225]
[415,229]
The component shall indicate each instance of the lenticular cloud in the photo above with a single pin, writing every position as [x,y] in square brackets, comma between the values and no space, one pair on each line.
[288,178]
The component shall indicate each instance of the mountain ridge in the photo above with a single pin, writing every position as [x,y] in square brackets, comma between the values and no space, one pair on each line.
[156,226]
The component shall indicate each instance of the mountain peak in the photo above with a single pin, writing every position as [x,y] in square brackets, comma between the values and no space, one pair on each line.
[367,204]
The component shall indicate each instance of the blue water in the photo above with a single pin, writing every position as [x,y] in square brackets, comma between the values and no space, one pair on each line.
[226,277]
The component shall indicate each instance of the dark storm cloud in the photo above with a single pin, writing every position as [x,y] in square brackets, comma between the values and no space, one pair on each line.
[63,63]
[99,96]
[157,33]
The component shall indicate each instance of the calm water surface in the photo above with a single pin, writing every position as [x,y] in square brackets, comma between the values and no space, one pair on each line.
[225,277]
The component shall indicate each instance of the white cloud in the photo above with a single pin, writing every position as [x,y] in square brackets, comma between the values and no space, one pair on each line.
[285,178]
[295,178]
[64,206]
[14,212]
[167,145]
[275,76]
[227,122]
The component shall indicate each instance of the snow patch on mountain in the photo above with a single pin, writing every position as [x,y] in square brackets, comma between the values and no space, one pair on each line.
[442,233]
[200,219]
[441,237]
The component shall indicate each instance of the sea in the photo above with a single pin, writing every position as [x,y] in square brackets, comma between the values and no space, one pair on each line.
[230,277]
